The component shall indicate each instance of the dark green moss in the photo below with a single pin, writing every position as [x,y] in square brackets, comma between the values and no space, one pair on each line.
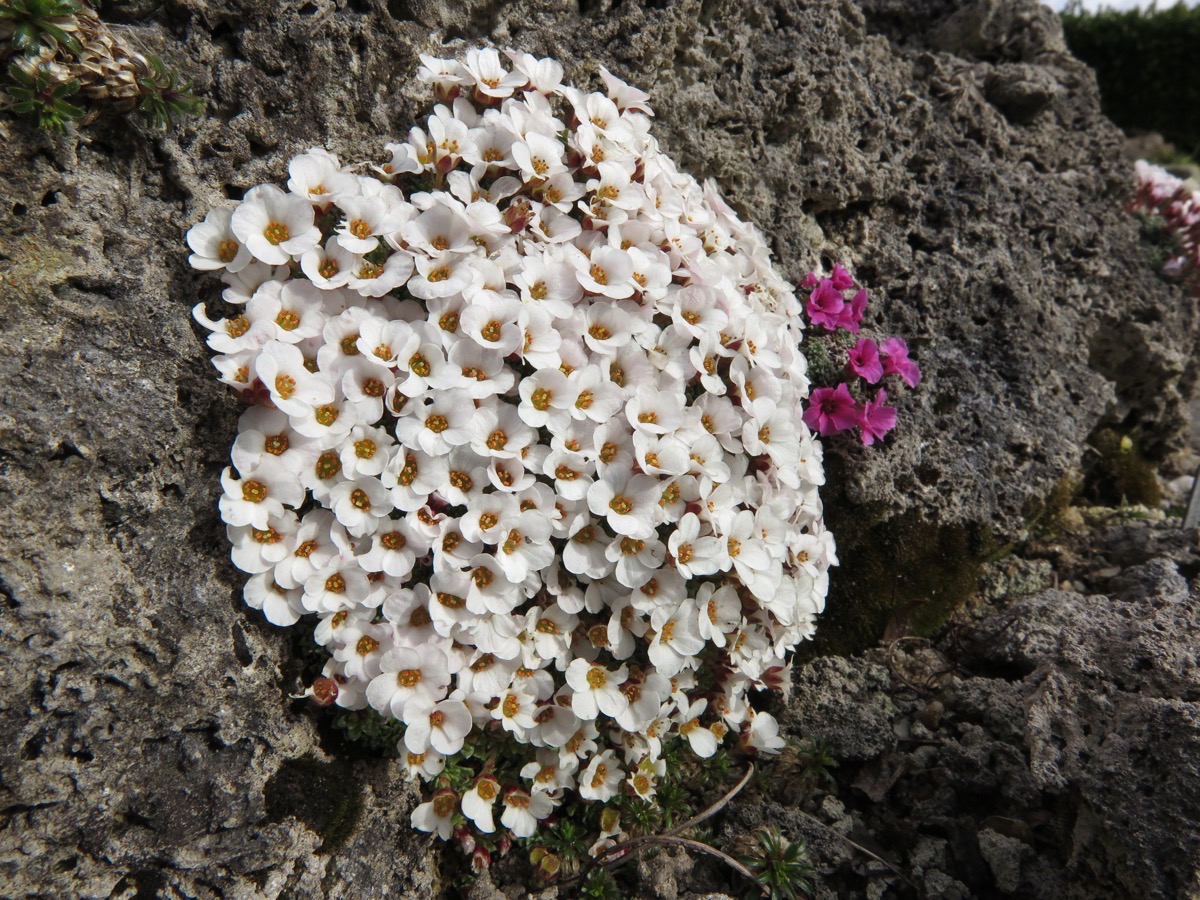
[1044,516]
[897,576]
[1118,473]
[325,796]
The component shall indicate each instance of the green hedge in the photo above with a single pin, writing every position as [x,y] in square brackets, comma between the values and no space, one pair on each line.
[1148,66]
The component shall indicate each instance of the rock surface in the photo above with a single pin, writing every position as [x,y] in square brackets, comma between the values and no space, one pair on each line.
[953,154]
[1046,749]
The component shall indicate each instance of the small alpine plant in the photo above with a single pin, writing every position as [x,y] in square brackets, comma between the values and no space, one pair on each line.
[524,437]
[833,408]
[1168,200]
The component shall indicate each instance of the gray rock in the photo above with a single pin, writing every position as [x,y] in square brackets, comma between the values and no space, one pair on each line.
[1004,855]
[1062,759]
[153,749]
[844,705]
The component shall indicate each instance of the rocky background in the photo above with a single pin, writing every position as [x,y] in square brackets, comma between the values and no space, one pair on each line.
[1004,739]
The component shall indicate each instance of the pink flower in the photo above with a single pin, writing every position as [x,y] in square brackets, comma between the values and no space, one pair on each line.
[810,281]
[825,305]
[875,419]
[896,362]
[858,305]
[831,410]
[864,361]
[841,278]
[852,313]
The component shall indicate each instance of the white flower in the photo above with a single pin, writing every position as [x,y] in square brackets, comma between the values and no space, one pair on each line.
[763,734]
[372,279]
[545,398]
[720,612]
[443,725]
[317,177]
[596,689]
[436,424]
[626,97]
[451,134]
[703,741]
[360,504]
[264,433]
[538,156]
[436,814]
[479,801]
[366,451]
[550,631]
[442,229]
[749,556]
[516,711]
[258,550]
[280,605]
[329,267]
[548,280]
[695,555]
[426,766]
[339,586]
[294,389]
[214,245]
[653,411]
[678,640]
[362,644]
[584,553]
[645,701]
[365,219]
[259,495]
[409,673]
[274,225]
[608,328]
[601,778]
[491,322]
[490,591]
[636,559]
[444,276]
[608,272]
[294,310]
[628,502]
[644,779]
[523,811]
[442,73]
[543,75]
[490,77]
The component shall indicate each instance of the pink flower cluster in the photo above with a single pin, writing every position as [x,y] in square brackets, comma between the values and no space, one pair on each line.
[1161,194]
[835,409]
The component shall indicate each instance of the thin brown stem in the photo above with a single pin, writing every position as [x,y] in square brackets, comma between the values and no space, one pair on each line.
[716,807]
[688,843]
[859,847]
[608,859]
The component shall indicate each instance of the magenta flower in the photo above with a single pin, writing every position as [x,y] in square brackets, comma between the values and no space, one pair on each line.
[810,281]
[864,361]
[831,410]
[875,419]
[825,305]
[896,361]
[841,278]
[852,313]
[858,305]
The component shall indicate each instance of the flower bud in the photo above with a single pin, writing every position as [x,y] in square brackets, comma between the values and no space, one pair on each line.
[324,691]
[517,215]
[549,866]
[481,859]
